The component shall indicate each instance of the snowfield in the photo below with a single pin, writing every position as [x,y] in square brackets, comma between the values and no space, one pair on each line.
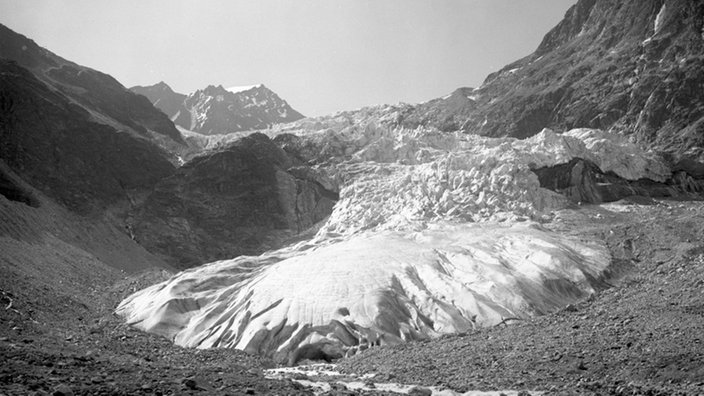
[434,233]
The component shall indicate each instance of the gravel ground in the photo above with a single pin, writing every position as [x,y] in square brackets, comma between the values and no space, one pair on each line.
[99,355]
[644,335]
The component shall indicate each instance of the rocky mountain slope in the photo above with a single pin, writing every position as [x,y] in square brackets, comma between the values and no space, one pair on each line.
[168,101]
[215,110]
[629,66]
[76,133]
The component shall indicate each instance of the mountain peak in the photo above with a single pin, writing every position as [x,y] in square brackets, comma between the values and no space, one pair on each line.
[163,85]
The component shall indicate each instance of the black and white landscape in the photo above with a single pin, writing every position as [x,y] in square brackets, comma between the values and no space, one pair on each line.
[541,233]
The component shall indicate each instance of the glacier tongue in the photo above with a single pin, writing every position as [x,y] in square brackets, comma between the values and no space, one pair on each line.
[434,233]
[371,288]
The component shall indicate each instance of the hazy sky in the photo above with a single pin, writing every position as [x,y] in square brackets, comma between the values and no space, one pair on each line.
[320,55]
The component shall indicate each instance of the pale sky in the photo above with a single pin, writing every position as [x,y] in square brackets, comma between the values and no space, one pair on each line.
[321,56]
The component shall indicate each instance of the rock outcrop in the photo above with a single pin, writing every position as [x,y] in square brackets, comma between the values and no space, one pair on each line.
[583,182]
[244,199]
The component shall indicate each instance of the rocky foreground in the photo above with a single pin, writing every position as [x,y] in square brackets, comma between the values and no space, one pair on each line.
[641,336]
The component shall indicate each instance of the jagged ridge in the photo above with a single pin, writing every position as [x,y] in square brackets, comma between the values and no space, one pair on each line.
[215,110]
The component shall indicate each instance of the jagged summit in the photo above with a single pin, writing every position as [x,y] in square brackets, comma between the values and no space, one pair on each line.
[218,110]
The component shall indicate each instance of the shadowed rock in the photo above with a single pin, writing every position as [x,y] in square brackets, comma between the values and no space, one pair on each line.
[582,181]
[244,199]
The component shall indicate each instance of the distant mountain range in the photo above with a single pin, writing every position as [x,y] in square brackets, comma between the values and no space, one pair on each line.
[216,110]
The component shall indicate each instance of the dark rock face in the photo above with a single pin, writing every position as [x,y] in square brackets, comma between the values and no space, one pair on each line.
[633,66]
[582,181]
[12,189]
[103,93]
[75,133]
[308,151]
[215,110]
[59,148]
[245,199]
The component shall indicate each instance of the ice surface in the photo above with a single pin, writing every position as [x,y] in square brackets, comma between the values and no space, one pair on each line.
[403,179]
[370,288]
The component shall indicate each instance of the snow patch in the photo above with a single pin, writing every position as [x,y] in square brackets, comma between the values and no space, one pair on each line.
[242,88]
[659,19]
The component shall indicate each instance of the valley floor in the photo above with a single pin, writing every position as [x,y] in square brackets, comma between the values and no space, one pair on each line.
[645,335]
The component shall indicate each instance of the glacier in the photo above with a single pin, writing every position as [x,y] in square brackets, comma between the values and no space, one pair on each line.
[434,233]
